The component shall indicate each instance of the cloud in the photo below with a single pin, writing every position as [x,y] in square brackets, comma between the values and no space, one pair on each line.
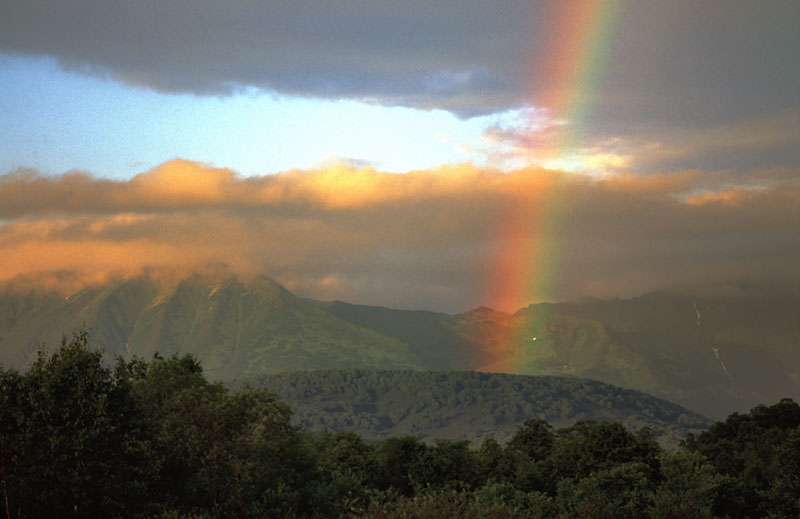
[414,54]
[426,239]
[769,141]
[530,138]
[667,61]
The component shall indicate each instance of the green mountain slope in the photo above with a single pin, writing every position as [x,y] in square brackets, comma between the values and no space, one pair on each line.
[429,334]
[378,404]
[744,351]
[235,329]
[745,348]
[738,352]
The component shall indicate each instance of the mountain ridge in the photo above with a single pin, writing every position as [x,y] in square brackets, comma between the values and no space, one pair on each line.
[714,355]
[231,327]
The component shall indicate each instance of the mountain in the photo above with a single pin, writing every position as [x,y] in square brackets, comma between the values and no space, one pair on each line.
[453,404]
[714,354]
[235,329]
[430,335]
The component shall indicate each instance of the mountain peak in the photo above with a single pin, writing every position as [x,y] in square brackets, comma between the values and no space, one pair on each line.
[485,312]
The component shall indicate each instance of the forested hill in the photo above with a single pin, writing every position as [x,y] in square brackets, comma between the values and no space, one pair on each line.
[714,355]
[435,404]
[157,439]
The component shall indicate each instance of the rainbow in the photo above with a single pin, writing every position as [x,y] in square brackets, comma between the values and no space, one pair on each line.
[566,70]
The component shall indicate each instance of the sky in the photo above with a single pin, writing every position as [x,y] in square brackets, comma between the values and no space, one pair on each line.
[409,154]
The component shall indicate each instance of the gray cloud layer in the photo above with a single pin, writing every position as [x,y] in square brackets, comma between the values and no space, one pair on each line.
[678,62]
[414,53]
[427,239]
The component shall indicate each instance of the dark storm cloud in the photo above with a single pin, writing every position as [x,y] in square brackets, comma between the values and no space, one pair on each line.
[416,53]
[669,62]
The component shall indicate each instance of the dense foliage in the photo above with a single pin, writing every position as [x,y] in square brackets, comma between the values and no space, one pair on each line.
[156,439]
[467,404]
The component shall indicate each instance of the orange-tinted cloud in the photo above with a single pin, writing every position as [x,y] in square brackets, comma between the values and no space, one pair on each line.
[423,239]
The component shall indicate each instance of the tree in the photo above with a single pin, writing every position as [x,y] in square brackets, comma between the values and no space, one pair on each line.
[399,463]
[448,464]
[11,418]
[497,463]
[754,451]
[619,491]
[349,465]
[587,447]
[232,454]
[73,442]
[534,438]
[688,489]
[77,440]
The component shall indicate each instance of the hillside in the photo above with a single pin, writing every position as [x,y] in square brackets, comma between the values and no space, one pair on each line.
[740,352]
[235,329]
[714,355]
[435,404]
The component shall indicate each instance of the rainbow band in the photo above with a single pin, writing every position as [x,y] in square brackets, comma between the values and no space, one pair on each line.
[575,57]
[526,266]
